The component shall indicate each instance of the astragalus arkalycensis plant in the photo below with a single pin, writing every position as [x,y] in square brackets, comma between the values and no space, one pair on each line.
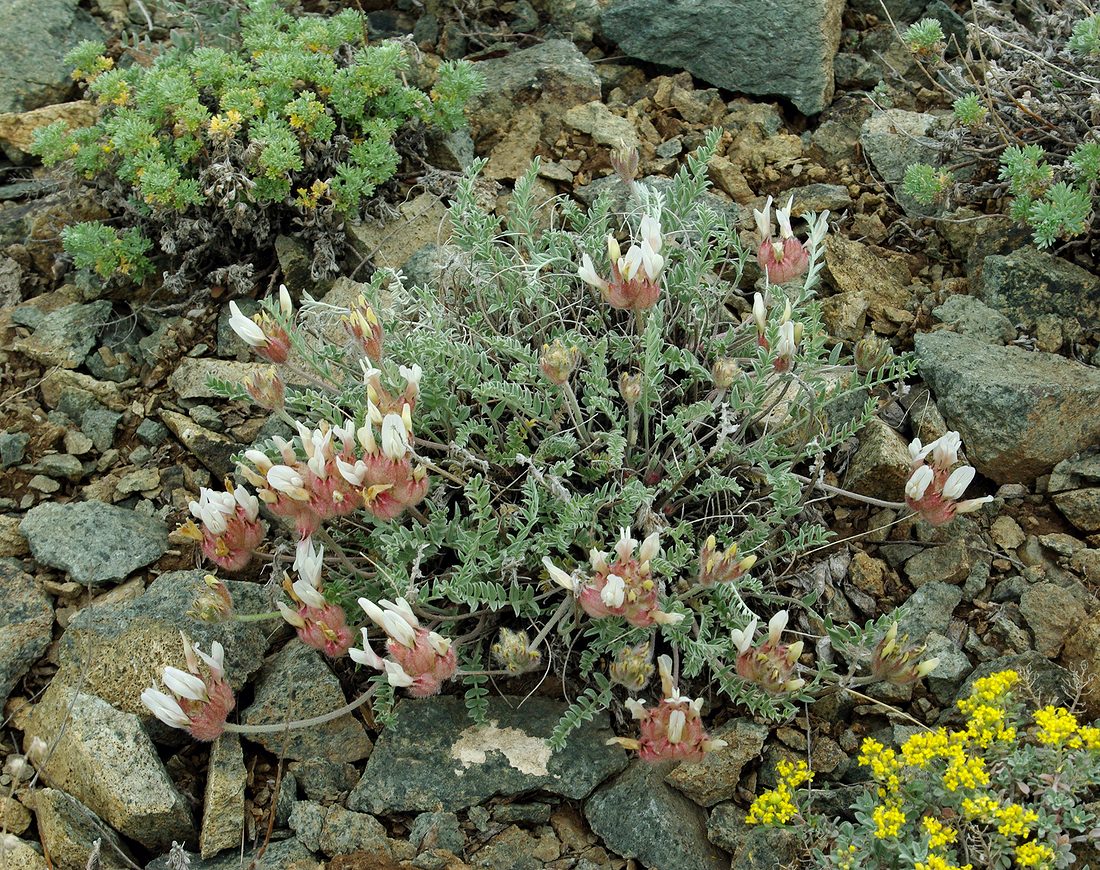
[609,483]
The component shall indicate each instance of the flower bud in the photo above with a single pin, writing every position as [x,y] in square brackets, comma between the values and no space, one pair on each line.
[895,660]
[363,325]
[558,361]
[872,352]
[716,566]
[624,160]
[513,652]
[266,389]
[632,666]
[213,603]
[630,388]
[725,372]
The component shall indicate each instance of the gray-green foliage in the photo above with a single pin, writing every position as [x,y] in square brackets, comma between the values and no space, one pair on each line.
[523,481]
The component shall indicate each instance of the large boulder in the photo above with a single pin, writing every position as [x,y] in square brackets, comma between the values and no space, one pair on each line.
[1019,413]
[779,47]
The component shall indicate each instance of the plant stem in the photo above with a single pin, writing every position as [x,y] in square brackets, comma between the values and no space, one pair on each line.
[836,490]
[279,727]
[575,411]
[563,608]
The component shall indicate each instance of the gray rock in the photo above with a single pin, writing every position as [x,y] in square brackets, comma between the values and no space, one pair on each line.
[1079,471]
[189,380]
[21,855]
[893,140]
[115,650]
[12,447]
[953,24]
[207,416]
[26,624]
[945,563]
[973,318]
[1081,507]
[223,804]
[715,778]
[151,433]
[36,36]
[1053,613]
[433,757]
[67,334]
[880,466]
[437,831]
[211,449]
[99,424]
[296,264]
[1019,413]
[337,831]
[736,44]
[323,780]
[1028,283]
[104,758]
[753,847]
[70,831]
[297,683]
[60,466]
[951,670]
[553,76]
[929,609]
[638,816]
[94,542]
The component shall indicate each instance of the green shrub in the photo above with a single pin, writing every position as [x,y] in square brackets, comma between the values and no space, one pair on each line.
[214,152]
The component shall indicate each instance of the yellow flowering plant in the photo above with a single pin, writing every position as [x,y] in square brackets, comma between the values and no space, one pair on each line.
[1006,789]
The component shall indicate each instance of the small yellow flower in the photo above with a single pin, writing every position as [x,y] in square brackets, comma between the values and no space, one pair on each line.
[1034,855]
[938,862]
[882,762]
[775,807]
[982,806]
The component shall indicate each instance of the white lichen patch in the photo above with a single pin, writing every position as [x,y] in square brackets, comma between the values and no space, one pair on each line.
[527,754]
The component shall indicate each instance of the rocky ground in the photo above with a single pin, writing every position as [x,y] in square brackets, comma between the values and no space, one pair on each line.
[110,429]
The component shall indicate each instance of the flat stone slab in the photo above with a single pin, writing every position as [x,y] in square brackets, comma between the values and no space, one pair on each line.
[26,624]
[434,756]
[93,541]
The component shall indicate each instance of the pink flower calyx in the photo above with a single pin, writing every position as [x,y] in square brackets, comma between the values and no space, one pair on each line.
[419,660]
[770,664]
[320,623]
[620,586]
[262,332]
[385,401]
[231,528]
[671,731]
[784,258]
[790,333]
[935,484]
[635,282]
[199,699]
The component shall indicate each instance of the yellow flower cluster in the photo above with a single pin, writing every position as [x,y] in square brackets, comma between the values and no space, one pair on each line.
[1014,821]
[1034,855]
[883,763]
[963,770]
[777,806]
[888,818]
[1057,727]
[310,197]
[923,747]
[225,127]
[939,834]
[99,66]
[938,862]
[992,690]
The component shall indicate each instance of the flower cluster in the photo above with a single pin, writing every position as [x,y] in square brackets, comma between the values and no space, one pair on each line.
[199,699]
[344,469]
[895,661]
[671,731]
[231,527]
[784,258]
[420,660]
[635,282]
[935,483]
[770,664]
[513,652]
[364,327]
[1007,798]
[776,806]
[320,623]
[622,587]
